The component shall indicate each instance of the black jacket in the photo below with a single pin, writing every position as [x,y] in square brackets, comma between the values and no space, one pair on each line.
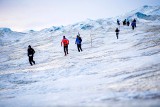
[31,51]
[117,30]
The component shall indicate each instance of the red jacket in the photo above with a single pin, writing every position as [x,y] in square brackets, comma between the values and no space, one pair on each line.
[65,42]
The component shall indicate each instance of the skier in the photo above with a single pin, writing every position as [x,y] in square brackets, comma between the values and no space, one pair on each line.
[31,54]
[78,42]
[118,22]
[117,32]
[65,43]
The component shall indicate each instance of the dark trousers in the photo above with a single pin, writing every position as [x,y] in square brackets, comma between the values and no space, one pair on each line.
[79,47]
[117,35]
[31,60]
[66,50]
[133,27]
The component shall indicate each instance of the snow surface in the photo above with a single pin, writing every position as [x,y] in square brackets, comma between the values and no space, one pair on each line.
[111,72]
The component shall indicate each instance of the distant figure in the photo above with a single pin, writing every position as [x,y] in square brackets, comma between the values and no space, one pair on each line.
[65,43]
[124,22]
[118,22]
[133,25]
[31,54]
[128,23]
[117,32]
[78,42]
[134,22]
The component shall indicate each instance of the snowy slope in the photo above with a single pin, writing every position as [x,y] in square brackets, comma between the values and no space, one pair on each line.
[111,72]
[146,12]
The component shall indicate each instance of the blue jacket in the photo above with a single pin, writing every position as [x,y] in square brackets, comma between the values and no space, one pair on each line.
[78,41]
[133,24]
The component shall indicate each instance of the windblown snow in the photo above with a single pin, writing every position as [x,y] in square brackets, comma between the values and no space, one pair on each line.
[109,72]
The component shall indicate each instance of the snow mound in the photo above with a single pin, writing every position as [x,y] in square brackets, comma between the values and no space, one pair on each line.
[147,17]
[145,13]
[148,10]
[5,30]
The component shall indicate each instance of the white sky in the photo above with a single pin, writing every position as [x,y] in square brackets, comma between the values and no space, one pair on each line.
[23,15]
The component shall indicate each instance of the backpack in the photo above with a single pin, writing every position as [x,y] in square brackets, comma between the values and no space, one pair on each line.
[33,51]
[65,41]
[80,39]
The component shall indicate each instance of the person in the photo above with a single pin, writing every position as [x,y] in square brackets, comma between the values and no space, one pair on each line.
[118,22]
[128,23]
[65,43]
[78,42]
[31,55]
[134,22]
[117,32]
[133,25]
[124,22]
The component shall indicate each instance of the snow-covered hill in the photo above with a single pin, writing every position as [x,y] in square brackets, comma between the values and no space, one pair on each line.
[149,10]
[7,36]
[110,72]
[145,12]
